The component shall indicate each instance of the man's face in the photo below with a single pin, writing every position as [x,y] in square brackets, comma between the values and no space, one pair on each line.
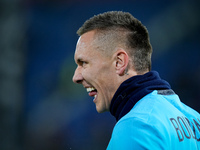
[95,72]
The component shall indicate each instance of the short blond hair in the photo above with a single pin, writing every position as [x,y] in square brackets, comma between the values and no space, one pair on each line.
[116,28]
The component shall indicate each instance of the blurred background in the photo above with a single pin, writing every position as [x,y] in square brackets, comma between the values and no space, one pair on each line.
[41,108]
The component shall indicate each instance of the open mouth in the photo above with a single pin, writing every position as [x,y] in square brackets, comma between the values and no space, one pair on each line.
[92,91]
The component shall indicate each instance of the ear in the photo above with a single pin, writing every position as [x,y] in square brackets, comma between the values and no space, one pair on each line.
[122,60]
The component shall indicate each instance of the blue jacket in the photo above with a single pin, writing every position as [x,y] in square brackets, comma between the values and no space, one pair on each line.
[158,121]
[151,116]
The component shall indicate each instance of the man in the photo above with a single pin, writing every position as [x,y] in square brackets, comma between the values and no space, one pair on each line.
[113,57]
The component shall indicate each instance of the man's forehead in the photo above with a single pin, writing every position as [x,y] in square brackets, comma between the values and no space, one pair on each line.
[78,56]
[86,38]
[83,44]
[80,47]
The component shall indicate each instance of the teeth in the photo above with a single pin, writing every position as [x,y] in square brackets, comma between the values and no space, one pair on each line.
[95,96]
[90,89]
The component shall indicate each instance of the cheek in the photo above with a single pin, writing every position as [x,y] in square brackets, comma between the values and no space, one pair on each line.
[100,74]
[89,74]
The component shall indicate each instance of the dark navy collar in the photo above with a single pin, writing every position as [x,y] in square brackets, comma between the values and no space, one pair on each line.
[133,89]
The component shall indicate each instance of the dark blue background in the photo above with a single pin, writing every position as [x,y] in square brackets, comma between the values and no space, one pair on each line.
[57,113]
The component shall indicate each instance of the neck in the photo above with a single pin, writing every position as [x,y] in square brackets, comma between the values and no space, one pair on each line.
[132,90]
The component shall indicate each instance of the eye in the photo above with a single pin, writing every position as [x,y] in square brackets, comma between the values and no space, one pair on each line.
[83,63]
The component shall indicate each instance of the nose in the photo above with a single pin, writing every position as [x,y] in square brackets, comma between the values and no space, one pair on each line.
[77,78]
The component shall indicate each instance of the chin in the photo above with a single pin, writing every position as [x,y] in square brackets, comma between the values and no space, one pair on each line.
[101,110]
